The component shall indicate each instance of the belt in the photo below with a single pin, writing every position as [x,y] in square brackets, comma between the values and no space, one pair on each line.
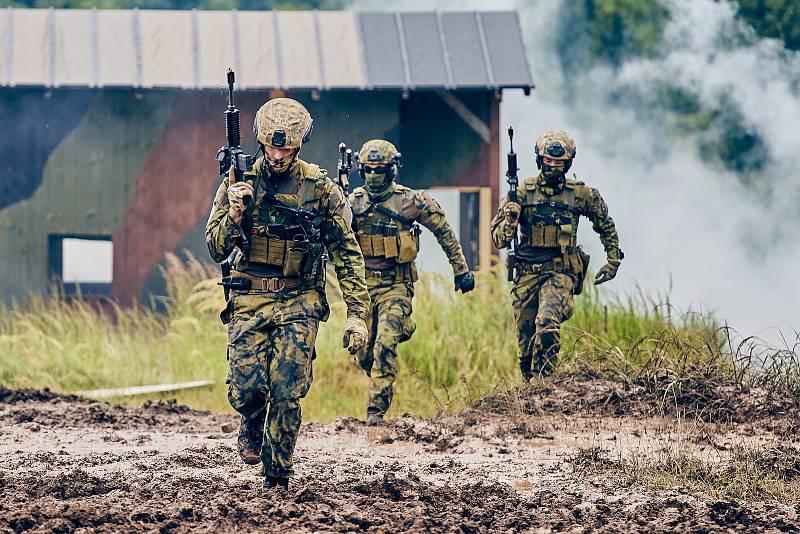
[556,265]
[399,272]
[272,285]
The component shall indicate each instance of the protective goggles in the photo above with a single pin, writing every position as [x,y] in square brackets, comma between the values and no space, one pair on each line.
[379,169]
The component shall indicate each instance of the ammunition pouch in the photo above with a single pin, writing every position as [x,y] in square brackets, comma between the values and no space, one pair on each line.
[287,247]
[553,235]
[387,241]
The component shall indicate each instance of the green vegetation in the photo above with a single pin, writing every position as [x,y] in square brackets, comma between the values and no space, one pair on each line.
[464,347]
[609,31]
[779,19]
[748,473]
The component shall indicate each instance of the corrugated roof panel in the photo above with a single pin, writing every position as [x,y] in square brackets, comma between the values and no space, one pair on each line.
[506,48]
[74,50]
[290,49]
[340,49]
[464,47]
[166,44]
[298,47]
[215,47]
[259,67]
[115,46]
[382,50]
[425,58]
[29,52]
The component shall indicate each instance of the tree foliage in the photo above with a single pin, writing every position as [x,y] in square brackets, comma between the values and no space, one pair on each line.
[779,19]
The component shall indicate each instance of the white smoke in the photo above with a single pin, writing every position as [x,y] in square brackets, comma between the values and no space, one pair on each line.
[683,222]
[687,227]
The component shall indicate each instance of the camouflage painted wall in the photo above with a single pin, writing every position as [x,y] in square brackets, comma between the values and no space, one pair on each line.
[139,166]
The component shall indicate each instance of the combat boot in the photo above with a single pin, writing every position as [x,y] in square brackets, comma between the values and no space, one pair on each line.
[525,368]
[251,436]
[374,418]
[271,482]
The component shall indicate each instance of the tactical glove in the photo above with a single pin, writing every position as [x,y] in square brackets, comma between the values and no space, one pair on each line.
[356,329]
[236,194]
[607,272]
[465,282]
[511,211]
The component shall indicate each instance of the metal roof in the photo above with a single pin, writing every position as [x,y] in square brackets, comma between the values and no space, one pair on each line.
[268,49]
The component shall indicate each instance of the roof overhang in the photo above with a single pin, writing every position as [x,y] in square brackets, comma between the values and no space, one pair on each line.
[321,50]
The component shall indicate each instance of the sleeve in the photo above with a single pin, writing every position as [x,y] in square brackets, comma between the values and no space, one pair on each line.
[345,253]
[222,233]
[431,216]
[603,224]
[502,232]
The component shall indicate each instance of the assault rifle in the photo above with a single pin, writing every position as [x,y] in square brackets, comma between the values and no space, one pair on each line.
[233,162]
[345,164]
[513,180]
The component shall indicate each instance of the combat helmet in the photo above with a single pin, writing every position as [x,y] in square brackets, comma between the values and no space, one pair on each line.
[555,144]
[382,153]
[283,123]
[386,160]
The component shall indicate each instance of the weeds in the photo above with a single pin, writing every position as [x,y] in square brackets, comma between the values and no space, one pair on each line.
[463,350]
[751,474]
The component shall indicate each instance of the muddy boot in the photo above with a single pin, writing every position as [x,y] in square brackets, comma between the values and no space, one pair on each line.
[271,483]
[550,348]
[374,418]
[525,368]
[251,435]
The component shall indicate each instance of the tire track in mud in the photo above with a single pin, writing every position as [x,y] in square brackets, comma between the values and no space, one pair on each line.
[68,463]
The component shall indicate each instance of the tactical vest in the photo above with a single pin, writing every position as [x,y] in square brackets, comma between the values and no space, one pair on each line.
[551,222]
[285,231]
[382,231]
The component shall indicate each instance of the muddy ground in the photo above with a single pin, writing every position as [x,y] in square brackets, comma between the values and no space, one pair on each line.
[512,463]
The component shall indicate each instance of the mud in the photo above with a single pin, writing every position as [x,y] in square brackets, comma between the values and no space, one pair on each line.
[72,464]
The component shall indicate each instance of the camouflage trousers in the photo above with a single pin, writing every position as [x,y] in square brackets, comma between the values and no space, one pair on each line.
[389,323]
[541,301]
[270,354]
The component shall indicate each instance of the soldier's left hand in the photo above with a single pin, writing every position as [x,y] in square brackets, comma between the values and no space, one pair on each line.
[465,282]
[606,272]
[355,334]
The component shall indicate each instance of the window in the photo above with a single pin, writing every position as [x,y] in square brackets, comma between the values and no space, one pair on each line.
[82,264]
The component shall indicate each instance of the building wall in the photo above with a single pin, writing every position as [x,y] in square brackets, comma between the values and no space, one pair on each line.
[140,167]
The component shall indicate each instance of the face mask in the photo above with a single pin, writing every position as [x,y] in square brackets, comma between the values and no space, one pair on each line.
[553,174]
[375,183]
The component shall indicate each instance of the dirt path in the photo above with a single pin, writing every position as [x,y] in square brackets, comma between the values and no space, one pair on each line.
[68,463]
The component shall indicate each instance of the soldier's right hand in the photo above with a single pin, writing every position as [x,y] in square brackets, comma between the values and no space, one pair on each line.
[236,194]
[355,329]
[511,211]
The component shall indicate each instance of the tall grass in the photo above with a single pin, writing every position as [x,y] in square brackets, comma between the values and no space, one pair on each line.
[464,346]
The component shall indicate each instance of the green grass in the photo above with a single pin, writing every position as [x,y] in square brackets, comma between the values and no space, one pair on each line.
[464,346]
[749,473]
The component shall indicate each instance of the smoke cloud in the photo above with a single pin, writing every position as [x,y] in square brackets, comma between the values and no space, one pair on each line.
[690,229]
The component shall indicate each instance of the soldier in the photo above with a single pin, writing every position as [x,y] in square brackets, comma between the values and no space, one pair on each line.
[551,267]
[280,221]
[385,214]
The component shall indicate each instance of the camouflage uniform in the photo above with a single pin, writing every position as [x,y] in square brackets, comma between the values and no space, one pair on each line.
[273,326]
[551,267]
[387,231]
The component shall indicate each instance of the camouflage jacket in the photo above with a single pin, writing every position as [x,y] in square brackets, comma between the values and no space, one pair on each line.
[548,222]
[308,187]
[411,207]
